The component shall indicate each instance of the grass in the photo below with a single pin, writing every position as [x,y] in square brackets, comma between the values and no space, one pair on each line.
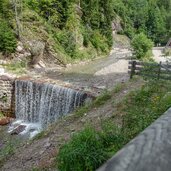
[85,150]
[8,145]
[144,106]
[118,88]
[137,111]
[17,67]
[1,115]
[6,151]
[40,135]
[99,101]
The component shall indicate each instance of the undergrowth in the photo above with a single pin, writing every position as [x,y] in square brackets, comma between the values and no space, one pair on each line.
[99,101]
[17,67]
[88,149]
[6,151]
[85,150]
[1,115]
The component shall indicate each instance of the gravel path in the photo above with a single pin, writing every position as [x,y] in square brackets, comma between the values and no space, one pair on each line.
[159,55]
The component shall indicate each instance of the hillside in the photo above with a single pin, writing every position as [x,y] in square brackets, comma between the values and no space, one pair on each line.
[74,30]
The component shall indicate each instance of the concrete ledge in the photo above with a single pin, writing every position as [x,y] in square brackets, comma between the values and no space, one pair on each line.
[149,151]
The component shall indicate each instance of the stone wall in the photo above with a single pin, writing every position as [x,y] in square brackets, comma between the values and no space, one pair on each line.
[7,95]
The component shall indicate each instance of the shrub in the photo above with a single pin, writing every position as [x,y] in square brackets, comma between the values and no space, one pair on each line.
[8,41]
[99,42]
[67,41]
[142,46]
[85,151]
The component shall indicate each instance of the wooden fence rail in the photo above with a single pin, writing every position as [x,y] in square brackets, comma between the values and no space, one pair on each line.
[150,70]
[149,151]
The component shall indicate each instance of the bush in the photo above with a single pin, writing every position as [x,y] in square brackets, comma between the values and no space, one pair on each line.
[8,41]
[142,46]
[67,41]
[85,151]
[99,42]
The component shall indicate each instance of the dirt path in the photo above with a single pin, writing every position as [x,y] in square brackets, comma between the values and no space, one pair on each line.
[159,55]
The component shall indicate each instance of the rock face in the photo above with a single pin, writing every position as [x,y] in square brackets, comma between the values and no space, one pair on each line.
[116,25]
[36,50]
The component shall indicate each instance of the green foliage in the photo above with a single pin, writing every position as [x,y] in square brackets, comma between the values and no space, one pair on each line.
[98,41]
[88,149]
[111,136]
[17,67]
[7,39]
[118,88]
[144,106]
[67,41]
[150,17]
[94,25]
[99,101]
[74,25]
[6,151]
[142,46]
[6,10]
[85,151]
[1,115]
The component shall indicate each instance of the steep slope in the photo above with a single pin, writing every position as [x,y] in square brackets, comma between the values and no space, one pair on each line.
[77,30]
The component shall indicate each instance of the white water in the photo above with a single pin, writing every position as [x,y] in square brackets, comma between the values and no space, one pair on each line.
[38,105]
[31,129]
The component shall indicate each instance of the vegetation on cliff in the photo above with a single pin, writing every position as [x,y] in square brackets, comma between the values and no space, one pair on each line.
[80,29]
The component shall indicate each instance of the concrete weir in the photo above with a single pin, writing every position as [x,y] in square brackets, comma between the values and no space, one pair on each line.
[39,104]
[45,103]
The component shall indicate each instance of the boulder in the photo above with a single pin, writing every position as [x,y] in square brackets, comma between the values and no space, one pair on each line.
[18,130]
[5,121]
[19,49]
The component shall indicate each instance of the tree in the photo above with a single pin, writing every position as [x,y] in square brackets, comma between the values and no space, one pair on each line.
[8,41]
[142,46]
[17,5]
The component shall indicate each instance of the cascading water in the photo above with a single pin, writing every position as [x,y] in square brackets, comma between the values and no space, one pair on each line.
[42,104]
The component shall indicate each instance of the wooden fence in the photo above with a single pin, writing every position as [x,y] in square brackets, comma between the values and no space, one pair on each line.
[150,70]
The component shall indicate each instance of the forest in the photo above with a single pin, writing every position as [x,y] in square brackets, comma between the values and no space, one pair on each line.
[81,28]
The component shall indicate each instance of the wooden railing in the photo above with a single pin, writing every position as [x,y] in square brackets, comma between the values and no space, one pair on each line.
[150,70]
[149,151]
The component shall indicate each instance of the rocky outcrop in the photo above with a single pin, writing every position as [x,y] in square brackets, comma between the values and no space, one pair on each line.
[36,50]
[116,25]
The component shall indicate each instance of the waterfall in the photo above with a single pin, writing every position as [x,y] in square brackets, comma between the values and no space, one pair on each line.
[44,103]
[38,105]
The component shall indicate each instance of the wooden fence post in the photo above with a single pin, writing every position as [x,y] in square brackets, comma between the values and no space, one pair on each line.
[133,69]
[159,71]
